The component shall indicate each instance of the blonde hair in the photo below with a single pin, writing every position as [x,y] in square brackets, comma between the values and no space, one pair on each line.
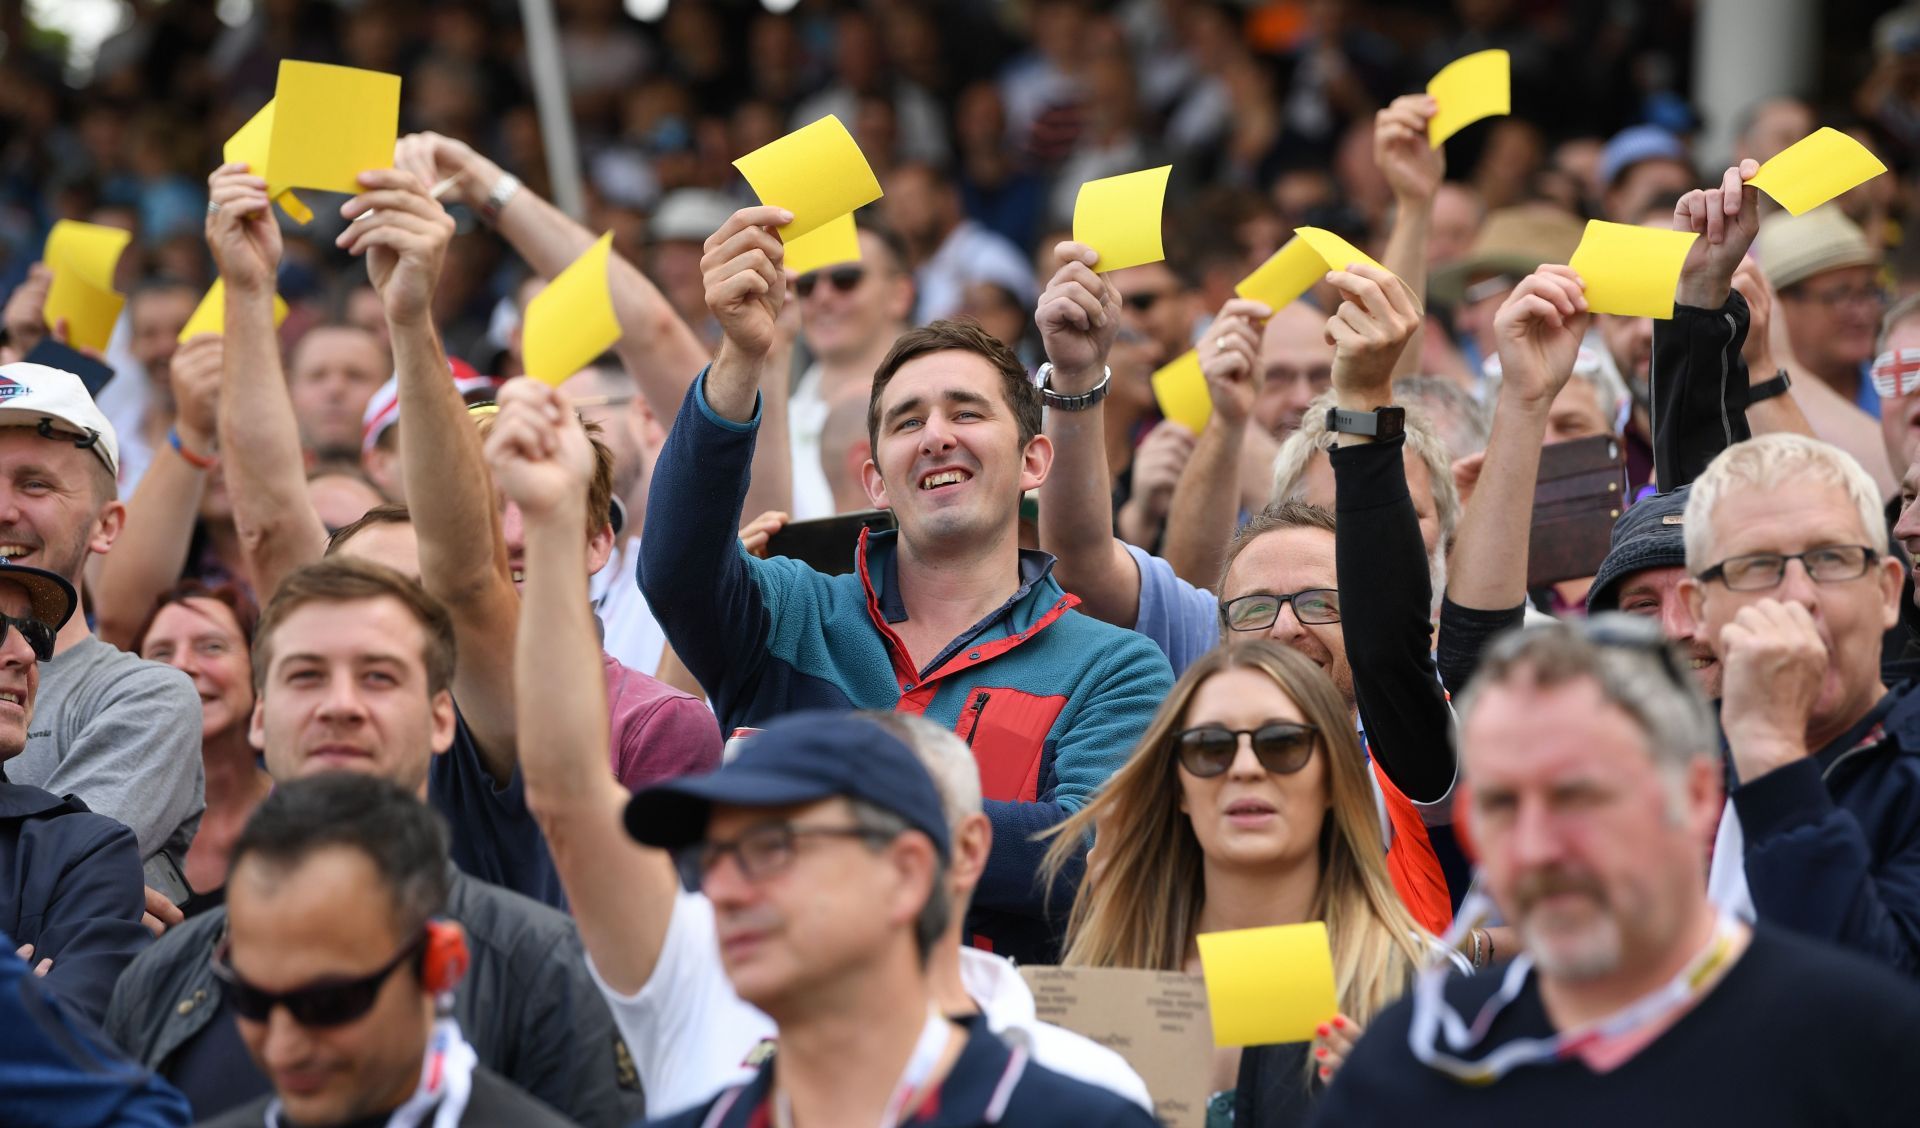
[1768,462]
[1142,910]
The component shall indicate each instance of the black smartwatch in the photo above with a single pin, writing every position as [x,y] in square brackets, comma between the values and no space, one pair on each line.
[1383,423]
[1767,389]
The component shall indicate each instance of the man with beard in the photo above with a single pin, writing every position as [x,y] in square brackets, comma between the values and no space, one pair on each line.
[1590,780]
[120,733]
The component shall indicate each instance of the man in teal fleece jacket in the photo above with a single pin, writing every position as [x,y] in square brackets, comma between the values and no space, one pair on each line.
[948,617]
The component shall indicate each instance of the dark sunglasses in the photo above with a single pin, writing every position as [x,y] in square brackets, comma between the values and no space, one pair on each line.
[841,278]
[1281,748]
[39,635]
[1143,301]
[327,1003]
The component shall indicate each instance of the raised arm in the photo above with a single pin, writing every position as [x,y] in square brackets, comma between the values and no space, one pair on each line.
[1776,412]
[403,233]
[1078,316]
[1206,502]
[622,894]
[152,549]
[1414,170]
[259,435]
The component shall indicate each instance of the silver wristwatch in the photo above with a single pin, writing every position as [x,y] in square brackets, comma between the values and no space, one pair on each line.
[504,190]
[1080,402]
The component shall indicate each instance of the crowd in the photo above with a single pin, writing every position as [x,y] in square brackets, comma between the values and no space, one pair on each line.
[389,737]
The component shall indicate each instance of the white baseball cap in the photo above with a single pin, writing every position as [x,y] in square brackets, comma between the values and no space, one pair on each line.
[54,400]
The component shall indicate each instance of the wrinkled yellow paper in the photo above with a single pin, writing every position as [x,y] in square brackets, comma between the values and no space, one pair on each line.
[329,125]
[571,321]
[1294,268]
[1267,985]
[249,146]
[1119,217]
[816,172]
[82,257]
[1815,169]
[1181,389]
[1469,88]
[1630,271]
[832,243]
[210,316]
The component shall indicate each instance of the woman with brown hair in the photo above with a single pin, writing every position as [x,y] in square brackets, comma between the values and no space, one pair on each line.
[1248,804]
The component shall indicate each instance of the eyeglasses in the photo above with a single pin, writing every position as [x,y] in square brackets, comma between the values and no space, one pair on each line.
[767,850]
[1259,611]
[1842,296]
[39,635]
[1143,301]
[841,278]
[1828,564]
[1281,748]
[327,1003]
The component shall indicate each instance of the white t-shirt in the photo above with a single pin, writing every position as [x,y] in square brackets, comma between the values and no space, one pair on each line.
[691,1036]
[806,420]
[629,631]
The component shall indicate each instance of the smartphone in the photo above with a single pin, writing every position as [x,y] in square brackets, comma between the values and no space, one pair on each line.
[828,544]
[53,354]
[1582,491]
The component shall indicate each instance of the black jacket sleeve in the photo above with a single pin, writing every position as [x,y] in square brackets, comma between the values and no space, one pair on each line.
[1698,384]
[1465,633]
[1386,598]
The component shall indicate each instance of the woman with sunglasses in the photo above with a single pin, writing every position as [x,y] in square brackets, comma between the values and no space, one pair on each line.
[205,632]
[1248,804]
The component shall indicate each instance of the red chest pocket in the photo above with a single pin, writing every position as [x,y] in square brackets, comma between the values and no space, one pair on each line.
[1007,730]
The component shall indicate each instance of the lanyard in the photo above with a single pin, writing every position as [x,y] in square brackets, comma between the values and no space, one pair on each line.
[446,1081]
[926,1057]
[1433,1015]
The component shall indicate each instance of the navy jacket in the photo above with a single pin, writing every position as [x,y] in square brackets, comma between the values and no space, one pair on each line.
[58,1072]
[71,885]
[1833,841]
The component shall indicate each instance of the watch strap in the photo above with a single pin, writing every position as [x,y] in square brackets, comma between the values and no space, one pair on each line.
[1383,423]
[1768,389]
[1062,402]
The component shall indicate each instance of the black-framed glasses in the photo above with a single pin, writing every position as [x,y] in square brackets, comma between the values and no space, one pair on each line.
[1257,612]
[1828,564]
[768,850]
[330,1002]
[39,635]
[841,278]
[1282,748]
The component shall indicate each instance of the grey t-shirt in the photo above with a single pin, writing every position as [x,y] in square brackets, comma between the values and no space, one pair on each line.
[123,734]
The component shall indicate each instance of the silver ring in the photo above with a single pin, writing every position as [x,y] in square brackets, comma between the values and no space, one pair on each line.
[213,208]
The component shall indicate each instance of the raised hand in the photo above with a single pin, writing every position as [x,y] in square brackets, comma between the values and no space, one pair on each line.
[1775,664]
[433,158]
[538,451]
[755,534]
[746,285]
[1537,333]
[25,316]
[1413,168]
[1157,464]
[1726,217]
[1229,358]
[1369,329]
[195,376]
[1078,315]
[242,232]
[403,232]
[1757,350]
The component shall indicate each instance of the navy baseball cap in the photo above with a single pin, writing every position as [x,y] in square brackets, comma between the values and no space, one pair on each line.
[1650,534]
[801,758]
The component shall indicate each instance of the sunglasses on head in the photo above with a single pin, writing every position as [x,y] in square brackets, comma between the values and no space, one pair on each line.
[1282,748]
[841,278]
[39,635]
[327,1003]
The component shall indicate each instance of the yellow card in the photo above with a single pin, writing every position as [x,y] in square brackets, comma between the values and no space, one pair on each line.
[210,316]
[571,321]
[1267,985]
[1815,169]
[1630,271]
[330,124]
[1469,88]
[816,172]
[82,257]
[1181,389]
[1119,217]
[249,146]
[832,243]
[1294,268]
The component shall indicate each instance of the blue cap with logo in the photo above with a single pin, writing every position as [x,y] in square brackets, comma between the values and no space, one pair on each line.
[800,758]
